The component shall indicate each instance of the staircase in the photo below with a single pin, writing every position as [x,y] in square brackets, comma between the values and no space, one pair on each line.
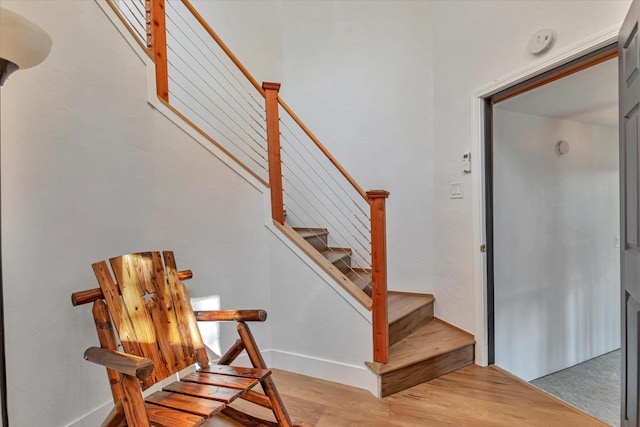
[422,347]
[410,346]
[339,257]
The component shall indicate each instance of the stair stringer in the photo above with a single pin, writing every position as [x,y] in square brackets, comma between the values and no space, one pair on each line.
[344,364]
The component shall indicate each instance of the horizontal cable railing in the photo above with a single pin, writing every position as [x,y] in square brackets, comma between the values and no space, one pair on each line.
[209,89]
[201,80]
[317,195]
[135,13]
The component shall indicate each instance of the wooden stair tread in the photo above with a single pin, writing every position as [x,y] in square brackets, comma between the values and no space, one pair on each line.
[432,340]
[336,254]
[401,304]
[361,277]
[310,232]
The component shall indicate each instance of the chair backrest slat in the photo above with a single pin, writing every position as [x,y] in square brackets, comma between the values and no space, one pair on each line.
[119,315]
[151,315]
[184,311]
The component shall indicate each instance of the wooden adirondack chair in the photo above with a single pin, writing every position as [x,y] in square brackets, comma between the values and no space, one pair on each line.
[159,336]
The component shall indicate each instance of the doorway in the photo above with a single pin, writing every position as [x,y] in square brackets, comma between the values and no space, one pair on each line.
[553,220]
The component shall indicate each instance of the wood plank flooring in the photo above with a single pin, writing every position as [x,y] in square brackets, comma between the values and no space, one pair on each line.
[471,396]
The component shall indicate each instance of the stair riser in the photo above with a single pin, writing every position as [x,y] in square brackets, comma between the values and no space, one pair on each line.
[343,264]
[426,370]
[319,242]
[403,327]
[361,278]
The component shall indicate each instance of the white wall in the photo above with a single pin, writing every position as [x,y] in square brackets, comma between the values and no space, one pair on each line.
[557,272]
[387,86]
[89,171]
[252,30]
[477,43]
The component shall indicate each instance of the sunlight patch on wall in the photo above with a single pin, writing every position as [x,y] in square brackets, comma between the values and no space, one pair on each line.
[210,331]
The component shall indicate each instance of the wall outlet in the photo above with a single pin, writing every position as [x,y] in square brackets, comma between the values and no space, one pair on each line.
[455,190]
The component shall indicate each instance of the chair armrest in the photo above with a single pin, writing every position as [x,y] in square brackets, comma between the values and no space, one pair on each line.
[127,364]
[237,315]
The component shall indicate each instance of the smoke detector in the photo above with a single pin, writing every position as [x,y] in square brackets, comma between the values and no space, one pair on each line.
[541,42]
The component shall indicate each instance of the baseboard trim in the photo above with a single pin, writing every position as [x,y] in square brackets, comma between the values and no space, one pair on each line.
[93,418]
[329,370]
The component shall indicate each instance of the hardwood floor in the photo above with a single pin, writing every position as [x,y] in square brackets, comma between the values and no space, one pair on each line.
[471,396]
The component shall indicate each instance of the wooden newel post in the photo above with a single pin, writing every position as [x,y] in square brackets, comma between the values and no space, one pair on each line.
[157,42]
[377,200]
[273,146]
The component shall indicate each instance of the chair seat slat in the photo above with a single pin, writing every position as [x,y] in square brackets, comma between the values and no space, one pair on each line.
[221,394]
[221,380]
[194,405]
[236,371]
[165,417]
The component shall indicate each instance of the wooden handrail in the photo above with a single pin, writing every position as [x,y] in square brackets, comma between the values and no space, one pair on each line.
[273,148]
[324,150]
[223,46]
[156,20]
[379,313]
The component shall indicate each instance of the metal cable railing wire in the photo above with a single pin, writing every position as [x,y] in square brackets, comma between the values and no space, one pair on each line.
[224,61]
[328,172]
[303,215]
[323,171]
[306,180]
[205,122]
[356,264]
[257,147]
[296,213]
[306,147]
[255,103]
[297,196]
[211,95]
[134,12]
[332,219]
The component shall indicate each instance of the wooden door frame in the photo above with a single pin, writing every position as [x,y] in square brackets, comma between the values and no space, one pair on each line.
[573,59]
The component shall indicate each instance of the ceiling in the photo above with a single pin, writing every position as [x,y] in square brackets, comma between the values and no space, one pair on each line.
[589,96]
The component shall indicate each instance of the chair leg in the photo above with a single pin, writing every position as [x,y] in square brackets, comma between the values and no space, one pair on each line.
[116,417]
[232,353]
[268,385]
[134,410]
[246,420]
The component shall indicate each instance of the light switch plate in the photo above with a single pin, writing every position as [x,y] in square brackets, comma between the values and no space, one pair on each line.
[455,190]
